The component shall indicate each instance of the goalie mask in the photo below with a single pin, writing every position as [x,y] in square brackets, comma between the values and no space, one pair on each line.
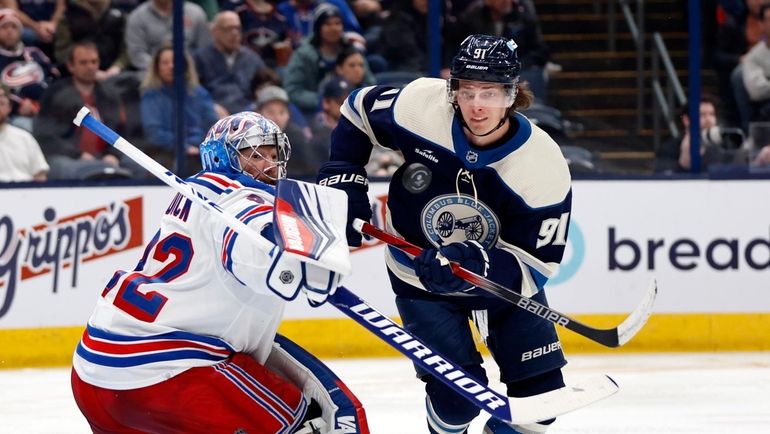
[486,59]
[243,134]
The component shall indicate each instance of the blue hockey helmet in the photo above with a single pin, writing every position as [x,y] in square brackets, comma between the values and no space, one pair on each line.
[243,134]
[487,59]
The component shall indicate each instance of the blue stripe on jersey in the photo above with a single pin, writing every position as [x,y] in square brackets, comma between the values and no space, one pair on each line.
[227,259]
[538,277]
[401,257]
[166,350]
[180,335]
[125,362]
[208,184]
[351,101]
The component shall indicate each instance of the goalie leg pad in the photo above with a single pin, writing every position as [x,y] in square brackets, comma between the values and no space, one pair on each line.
[340,408]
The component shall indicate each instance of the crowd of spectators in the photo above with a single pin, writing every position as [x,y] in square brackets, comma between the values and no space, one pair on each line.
[292,60]
[739,51]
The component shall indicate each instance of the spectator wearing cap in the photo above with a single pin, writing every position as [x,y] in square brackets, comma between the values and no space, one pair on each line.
[301,16]
[273,103]
[333,94]
[21,159]
[316,58]
[39,18]
[26,71]
[225,67]
[382,162]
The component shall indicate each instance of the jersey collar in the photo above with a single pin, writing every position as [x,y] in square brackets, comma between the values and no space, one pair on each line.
[474,158]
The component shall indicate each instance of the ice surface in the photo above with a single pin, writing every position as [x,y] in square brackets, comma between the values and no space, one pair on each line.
[659,393]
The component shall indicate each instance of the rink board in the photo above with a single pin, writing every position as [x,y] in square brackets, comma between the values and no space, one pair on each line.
[706,242]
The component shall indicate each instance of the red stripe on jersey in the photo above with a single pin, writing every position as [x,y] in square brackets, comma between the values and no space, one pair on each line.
[221,180]
[147,347]
[231,232]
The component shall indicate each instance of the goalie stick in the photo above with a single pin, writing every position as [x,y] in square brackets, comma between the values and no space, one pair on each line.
[612,338]
[512,410]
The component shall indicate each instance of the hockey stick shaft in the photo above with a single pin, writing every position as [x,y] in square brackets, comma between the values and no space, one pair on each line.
[421,354]
[513,410]
[614,337]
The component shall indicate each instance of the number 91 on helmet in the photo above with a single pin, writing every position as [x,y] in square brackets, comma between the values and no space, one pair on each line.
[246,143]
[492,64]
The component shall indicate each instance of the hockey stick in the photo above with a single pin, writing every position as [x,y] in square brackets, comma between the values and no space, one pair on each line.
[512,410]
[613,337]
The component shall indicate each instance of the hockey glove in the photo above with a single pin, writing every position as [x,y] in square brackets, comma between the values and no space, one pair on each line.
[435,272]
[351,179]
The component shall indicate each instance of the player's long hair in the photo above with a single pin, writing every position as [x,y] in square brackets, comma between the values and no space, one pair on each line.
[524,97]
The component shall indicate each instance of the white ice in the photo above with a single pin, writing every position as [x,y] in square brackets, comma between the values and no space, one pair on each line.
[659,393]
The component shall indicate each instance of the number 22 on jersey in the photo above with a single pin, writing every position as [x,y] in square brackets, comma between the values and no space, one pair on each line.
[147,306]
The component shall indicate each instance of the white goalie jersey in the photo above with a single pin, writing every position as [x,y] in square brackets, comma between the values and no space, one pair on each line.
[197,294]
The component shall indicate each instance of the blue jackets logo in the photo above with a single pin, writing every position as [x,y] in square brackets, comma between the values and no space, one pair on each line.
[455,218]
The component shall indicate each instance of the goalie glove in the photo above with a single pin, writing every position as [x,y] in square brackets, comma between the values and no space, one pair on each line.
[435,273]
[352,180]
[288,275]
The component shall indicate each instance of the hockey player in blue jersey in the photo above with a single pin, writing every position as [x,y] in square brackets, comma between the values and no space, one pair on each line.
[482,186]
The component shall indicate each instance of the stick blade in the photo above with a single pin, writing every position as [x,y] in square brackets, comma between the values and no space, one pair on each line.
[557,402]
[638,318]
[310,223]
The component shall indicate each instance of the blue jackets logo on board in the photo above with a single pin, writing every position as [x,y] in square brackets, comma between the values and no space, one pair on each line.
[455,218]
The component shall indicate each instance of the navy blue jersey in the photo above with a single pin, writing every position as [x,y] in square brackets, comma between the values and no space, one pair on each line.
[514,198]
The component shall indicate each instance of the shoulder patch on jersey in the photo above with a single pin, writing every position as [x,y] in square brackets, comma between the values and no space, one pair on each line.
[422,109]
[537,171]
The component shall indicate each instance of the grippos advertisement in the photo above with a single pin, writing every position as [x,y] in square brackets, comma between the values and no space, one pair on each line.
[707,243]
